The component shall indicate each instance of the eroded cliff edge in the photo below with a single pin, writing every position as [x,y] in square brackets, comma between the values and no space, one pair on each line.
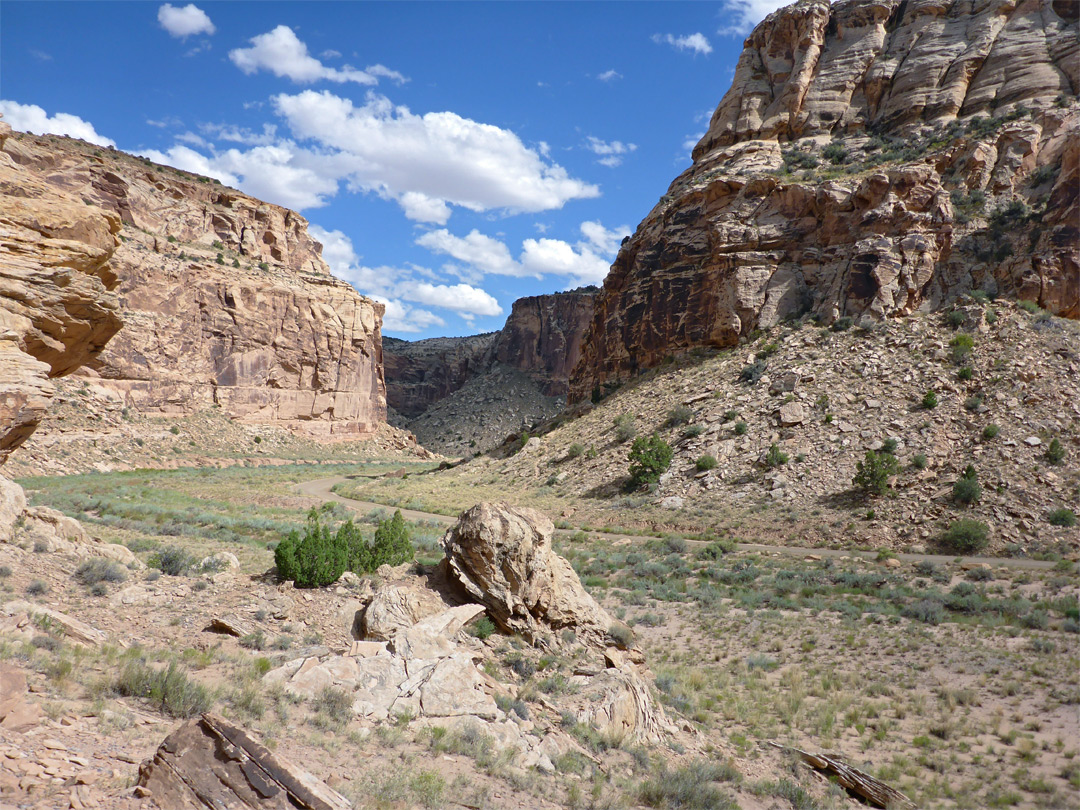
[871,159]
[227,301]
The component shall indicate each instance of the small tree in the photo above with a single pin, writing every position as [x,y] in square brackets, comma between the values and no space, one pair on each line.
[392,545]
[965,536]
[625,429]
[1055,453]
[873,472]
[775,456]
[967,490]
[650,458]
[930,400]
[314,559]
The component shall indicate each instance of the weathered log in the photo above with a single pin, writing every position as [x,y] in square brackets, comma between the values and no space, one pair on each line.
[859,782]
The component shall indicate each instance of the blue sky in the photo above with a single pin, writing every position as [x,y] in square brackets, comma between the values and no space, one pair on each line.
[452,157]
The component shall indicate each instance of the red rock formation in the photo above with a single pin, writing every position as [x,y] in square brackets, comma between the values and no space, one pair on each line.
[227,300]
[869,160]
[56,311]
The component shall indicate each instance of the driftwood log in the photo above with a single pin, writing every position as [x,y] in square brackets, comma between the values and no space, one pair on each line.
[859,782]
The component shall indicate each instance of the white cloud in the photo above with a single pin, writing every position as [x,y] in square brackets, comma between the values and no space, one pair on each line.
[282,53]
[383,72]
[696,42]
[401,317]
[330,53]
[745,14]
[32,118]
[394,286]
[41,56]
[442,156]
[183,22]
[609,75]
[419,207]
[611,152]
[690,141]
[182,157]
[485,254]
[461,298]
[243,135]
[585,262]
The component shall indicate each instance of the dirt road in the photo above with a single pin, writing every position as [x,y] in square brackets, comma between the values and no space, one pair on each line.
[322,488]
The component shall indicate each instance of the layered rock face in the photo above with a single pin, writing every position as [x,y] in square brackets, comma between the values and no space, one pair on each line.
[56,308]
[871,159]
[422,372]
[227,300]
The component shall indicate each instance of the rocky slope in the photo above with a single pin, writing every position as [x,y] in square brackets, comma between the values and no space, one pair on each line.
[457,394]
[227,300]
[870,160]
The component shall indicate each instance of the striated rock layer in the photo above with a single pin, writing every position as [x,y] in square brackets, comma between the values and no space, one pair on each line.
[871,159]
[56,308]
[226,299]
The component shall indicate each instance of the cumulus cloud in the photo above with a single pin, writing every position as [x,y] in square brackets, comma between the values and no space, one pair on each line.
[690,141]
[184,22]
[32,118]
[611,152]
[399,288]
[696,42]
[282,53]
[743,15]
[485,254]
[442,156]
[584,262]
[609,75]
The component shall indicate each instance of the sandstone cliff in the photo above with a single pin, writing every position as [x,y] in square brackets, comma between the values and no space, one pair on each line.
[871,159]
[56,308]
[226,299]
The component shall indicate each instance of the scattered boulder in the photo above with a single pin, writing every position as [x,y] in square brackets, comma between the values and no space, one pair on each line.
[230,624]
[394,607]
[624,710]
[792,413]
[74,630]
[16,712]
[209,762]
[501,556]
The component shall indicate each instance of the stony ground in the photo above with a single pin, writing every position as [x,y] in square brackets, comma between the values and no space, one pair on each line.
[957,686]
[823,398]
[482,413]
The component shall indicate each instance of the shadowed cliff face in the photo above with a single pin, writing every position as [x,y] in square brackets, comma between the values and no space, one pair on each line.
[542,337]
[227,300]
[56,311]
[871,159]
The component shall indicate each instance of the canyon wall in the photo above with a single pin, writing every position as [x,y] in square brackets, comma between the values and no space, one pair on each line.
[542,338]
[57,310]
[871,159]
[226,299]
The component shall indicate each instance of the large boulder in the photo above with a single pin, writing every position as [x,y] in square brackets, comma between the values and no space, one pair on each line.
[209,762]
[501,556]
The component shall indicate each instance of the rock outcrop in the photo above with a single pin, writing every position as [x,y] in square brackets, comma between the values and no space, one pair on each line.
[209,762]
[501,556]
[226,299]
[869,160]
[420,373]
[56,273]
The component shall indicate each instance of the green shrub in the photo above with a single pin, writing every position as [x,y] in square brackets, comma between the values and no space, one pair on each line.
[889,446]
[220,259]
[835,153]
[956,318]
[1029,307]
[730,414]
[690,788]
[482,628]
[873,472]
[625,429]
[37,588]
[705,462]
[843,324]
[966,489]
[990,431]
[930,400]
[965,536]
[171,560]
[1062,517]
[679,415]
[575,450]
[961,345]
[1055,453]
[752,373]
[965,373]
[622,635]
[774,457]
[928,611]
[99,569]
[319,557]
[919,461]
[741,428]
[169,688]
[649,459]
[973,403]
[694,431]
